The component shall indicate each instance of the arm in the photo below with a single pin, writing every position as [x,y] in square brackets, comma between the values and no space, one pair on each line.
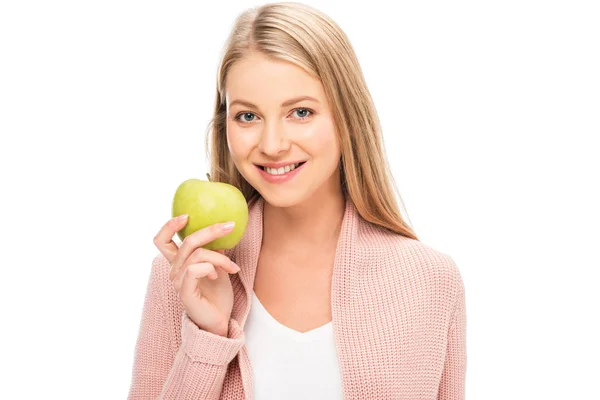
[163,370]
[452,385]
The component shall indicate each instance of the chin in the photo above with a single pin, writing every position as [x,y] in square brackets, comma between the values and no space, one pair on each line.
[282,200]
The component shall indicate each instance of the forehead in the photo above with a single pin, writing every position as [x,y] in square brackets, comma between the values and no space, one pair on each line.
[261,79]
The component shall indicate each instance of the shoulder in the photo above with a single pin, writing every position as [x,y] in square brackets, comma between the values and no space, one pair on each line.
[168,298]
[389,247]
[405,261]
[159,275]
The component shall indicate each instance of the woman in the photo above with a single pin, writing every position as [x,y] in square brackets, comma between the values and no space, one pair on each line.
[329,294]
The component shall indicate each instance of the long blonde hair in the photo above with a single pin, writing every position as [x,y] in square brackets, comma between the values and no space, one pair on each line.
[300,34]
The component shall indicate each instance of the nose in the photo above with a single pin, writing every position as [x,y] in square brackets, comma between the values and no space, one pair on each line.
[273,140]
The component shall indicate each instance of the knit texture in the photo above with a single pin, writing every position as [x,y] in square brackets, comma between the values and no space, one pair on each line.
[399,322]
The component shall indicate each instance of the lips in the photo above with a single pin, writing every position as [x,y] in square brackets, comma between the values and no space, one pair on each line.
[280,178]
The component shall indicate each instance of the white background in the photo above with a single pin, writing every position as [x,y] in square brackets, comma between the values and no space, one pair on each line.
[490,113]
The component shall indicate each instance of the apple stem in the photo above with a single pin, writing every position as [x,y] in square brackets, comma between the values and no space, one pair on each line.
[208,176]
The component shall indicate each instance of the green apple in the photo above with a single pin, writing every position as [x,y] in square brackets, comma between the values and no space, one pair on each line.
[207,203]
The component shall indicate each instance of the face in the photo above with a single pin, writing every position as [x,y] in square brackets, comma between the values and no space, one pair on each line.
[269,123]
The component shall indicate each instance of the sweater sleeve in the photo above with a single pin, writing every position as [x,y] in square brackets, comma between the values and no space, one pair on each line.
[452,385]
[193,370]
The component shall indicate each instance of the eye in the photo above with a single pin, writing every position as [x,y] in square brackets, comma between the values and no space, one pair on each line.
[303,113]
[248,117]
[243,115]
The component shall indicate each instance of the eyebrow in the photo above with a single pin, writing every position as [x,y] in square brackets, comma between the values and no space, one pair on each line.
[284,104]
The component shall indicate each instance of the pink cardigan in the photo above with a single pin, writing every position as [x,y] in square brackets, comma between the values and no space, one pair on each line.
[398,311]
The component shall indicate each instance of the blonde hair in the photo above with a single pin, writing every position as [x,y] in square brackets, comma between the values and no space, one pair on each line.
[300,34]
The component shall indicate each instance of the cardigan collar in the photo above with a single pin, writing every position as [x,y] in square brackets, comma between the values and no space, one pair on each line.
[347,254]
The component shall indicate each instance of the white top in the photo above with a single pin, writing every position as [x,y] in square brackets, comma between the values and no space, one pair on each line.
[288,364]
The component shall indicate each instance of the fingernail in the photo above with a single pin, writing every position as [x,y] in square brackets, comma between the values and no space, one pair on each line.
[181,218]
[236,266]
[227,226]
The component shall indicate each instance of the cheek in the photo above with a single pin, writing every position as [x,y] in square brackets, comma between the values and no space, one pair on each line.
[238,142]
[320,139]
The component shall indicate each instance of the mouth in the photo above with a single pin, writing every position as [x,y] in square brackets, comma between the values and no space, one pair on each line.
[283,170]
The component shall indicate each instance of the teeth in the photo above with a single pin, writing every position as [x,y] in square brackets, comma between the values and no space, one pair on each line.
[282,170]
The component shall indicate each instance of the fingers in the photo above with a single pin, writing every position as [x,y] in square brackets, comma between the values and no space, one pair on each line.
[164,238]
[189,285]
[200,255]
[196,240]
[216,258]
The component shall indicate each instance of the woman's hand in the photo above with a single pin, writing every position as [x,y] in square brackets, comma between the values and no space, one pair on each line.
[200,276]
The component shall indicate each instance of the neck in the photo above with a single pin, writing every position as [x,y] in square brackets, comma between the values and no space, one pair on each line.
[313,224]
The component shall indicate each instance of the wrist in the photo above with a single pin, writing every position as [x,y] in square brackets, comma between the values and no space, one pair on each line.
[221,330]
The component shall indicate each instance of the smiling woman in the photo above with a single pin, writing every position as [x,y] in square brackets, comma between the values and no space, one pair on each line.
[335,297]
[270,64]
[278,130]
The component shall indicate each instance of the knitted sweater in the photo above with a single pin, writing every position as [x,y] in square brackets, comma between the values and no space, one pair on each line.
[398,310]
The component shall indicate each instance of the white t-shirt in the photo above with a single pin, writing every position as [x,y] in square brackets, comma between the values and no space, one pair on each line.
[288,364]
